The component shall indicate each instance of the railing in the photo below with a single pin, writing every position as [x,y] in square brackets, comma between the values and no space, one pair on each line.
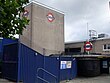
[47,73]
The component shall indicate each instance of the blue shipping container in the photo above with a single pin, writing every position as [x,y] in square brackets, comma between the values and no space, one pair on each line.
[45,68]
[10,62]
[0,48]
[3,42]
[29,66]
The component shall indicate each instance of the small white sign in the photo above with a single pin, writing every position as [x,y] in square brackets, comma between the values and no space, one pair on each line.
[105,64]
[69,64]
[65,64]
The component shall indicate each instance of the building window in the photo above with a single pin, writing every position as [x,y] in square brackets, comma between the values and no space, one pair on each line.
[106,47]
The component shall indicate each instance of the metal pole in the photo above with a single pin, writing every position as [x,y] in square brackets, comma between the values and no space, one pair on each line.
[87,32]
[88,52]
[87,36]
[90,34]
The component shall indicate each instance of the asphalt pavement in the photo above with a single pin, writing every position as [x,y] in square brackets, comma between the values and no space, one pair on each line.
[105,78]
[98,79]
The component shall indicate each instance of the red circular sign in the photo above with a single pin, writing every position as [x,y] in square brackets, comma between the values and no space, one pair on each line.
[50,17]
[88,46]
[25,13]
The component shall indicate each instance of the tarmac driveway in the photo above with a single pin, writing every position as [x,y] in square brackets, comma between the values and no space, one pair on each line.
[98,79]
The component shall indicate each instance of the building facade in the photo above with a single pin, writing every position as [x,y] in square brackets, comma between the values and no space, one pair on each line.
[45,32]
[99,46]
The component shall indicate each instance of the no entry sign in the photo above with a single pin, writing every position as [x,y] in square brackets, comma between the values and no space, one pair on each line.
[88,46]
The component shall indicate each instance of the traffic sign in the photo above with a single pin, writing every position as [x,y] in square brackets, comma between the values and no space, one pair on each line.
[88,46]
[25,13]
[50,17]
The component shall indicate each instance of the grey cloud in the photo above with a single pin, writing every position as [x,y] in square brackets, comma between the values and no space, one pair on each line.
[78,13]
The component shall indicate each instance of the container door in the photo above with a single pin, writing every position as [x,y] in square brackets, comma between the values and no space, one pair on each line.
[10,62]
[105,66]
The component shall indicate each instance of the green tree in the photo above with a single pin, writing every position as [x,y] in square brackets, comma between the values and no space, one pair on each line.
[11,22]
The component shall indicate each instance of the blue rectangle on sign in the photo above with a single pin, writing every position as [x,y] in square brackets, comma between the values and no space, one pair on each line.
[63,65]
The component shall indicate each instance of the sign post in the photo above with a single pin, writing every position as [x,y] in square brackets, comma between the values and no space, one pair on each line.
[88,46]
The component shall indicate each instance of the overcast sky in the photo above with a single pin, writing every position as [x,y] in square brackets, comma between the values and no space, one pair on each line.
[80,12]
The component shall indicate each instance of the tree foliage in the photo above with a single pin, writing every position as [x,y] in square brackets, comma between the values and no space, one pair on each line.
[11,22]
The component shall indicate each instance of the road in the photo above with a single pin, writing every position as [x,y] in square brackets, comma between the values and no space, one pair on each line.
[98,79]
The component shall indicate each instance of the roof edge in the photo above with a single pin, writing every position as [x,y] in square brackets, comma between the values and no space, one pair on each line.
[85,40]
[46,6]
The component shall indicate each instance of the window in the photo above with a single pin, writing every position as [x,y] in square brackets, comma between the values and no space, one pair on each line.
[106,47]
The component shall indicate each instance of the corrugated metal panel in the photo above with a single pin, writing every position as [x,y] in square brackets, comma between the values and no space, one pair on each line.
[74,68]
[68,73]
[9,41]
[51,64]
[10,61]
[29,66]
[0,45]
[30,61]
[5,41]
[0,48]
[34,65]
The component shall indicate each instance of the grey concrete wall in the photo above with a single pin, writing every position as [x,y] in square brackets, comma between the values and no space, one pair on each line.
[97,46]
[26,37]
[76,45]
[44,36]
